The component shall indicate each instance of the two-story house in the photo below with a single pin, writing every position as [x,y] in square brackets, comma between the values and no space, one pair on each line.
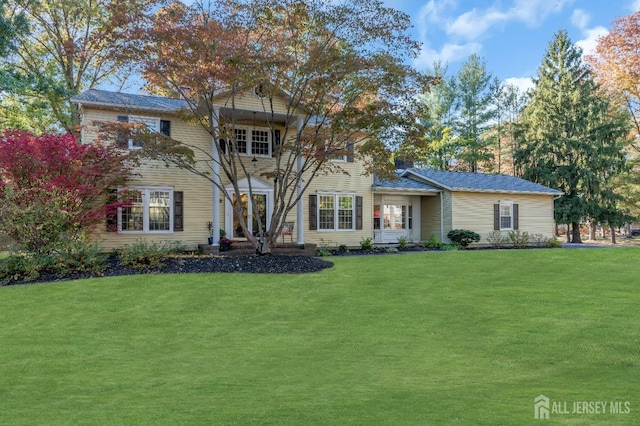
[171,204]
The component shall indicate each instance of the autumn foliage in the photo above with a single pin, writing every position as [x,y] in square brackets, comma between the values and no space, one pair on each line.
[53,189]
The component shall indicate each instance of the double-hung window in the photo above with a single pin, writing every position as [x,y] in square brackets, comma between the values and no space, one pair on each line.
[153,124]
[506,216]
[146,210]
[336,212]
[252,141]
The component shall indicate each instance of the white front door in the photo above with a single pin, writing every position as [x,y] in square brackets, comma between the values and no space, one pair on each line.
[393,219]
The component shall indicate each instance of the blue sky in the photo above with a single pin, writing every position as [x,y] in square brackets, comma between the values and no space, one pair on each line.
[512,35]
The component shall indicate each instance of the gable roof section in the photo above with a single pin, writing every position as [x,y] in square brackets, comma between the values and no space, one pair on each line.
[106,99]
[478,182]
[403,184]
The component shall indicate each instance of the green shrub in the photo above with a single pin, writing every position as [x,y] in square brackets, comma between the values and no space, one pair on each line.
[323,252]
[449,247]
[537,240]
[366,243]
[143,254]
[402,243]
[553,243]
[433,242]
[519,239]
[463,237]
[496,239]
[24,266]
[391,250]
[342,248]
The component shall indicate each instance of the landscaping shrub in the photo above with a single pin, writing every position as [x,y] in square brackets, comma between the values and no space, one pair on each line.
[519,239]
[496,239]
[402,243]
[433,242]
[553,243]
[463,237]
[366,243]
[143,254]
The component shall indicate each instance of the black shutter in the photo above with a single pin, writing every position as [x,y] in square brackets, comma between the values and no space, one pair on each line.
[112,212]
[223,146]
[350,152]
[276,141]
[313,212]
[165,127]
[515,217]
[178,211]
[358,213]
[496,217]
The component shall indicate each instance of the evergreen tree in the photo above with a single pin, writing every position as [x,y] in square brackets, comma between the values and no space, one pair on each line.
[569,138]
[473,103]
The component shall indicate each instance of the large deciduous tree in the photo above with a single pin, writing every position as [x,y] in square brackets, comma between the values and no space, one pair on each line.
[570,137]
[340,66]
[52,189]
[71,45]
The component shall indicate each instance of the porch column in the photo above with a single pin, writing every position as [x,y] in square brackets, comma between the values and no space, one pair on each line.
[441,218]
[215,166]
[300,205]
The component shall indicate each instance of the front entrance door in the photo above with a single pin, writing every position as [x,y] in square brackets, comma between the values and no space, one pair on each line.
[393,219]
[259,203]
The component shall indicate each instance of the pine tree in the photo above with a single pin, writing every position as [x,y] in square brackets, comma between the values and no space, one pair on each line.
[569,138]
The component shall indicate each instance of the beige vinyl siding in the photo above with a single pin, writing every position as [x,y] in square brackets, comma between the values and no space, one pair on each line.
[474,211]
[250,101]
[430,217]
[197,190]
[447,220]
[355,183]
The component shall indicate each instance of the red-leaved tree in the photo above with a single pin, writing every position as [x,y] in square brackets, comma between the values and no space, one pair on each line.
[53,190]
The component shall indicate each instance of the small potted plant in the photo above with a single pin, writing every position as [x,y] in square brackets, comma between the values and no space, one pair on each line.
[225,244]
[210,230]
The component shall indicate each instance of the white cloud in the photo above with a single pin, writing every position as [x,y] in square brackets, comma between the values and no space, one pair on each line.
[589,43]
[473,24]
[449,53]
[522,83]
[580,18]
[533,12]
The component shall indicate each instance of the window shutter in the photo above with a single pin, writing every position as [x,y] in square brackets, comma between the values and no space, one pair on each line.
[313,212]
[276,141]
[111,211]
[358,213]
[496,217]
[350,152]
[515,217]
[178,211]
[165,127]
[223,146]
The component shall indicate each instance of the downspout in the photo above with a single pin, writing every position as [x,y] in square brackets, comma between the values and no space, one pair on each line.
[441,218]
[300,205]
[215,168]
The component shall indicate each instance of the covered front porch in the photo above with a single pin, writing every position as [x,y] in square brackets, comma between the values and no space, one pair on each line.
[407,216]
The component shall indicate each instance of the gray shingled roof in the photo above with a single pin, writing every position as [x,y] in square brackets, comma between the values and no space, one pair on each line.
[479,182]
[405,183]
[103,98]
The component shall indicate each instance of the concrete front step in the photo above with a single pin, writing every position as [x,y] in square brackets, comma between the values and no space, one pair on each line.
[243,248]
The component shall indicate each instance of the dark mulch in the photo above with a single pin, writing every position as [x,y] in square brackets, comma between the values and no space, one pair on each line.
[206,264]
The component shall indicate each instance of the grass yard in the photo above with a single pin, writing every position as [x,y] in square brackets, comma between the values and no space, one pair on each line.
[431,338]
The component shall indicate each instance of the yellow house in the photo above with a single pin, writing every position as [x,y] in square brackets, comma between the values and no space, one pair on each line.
[172,204]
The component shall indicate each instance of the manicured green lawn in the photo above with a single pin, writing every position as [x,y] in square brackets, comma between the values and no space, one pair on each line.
[432,338]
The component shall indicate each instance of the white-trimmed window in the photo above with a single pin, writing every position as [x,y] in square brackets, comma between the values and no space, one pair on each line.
[336,212]
[154,124]
[252,141]
[148,210]
[506,216]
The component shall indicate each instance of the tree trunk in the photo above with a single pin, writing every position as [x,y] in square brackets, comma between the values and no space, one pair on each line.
[263,247]
[576,233]
[592,231]
[613,234]
[568,233]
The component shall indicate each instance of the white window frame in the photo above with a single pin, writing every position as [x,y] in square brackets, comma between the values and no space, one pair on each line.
[150,122]
[336,209]
[145,191]
[249,148]
[510,205]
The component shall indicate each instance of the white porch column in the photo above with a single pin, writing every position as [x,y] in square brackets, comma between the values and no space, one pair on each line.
[215,202]
[300,206]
